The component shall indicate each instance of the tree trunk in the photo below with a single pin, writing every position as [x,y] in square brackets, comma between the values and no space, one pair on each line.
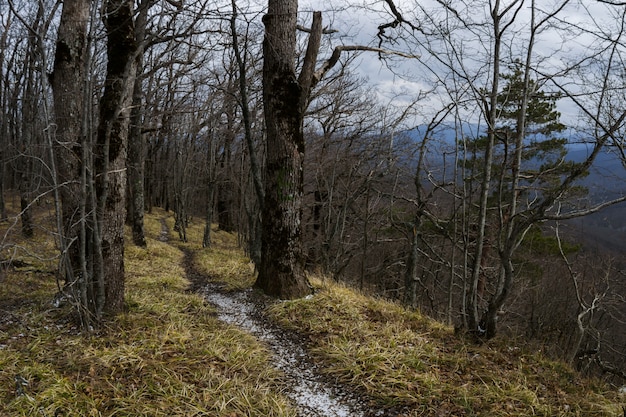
[225,191]
[68,80]
[281,272]
[30,110]
[472,299]
[3,106]
[136,139]
[136,163]
[112,146]
[255,233]
[210,187]
[206,237]
[3,209]
[410,278]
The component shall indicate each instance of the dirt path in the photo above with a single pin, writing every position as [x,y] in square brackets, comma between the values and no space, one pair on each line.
[313,394]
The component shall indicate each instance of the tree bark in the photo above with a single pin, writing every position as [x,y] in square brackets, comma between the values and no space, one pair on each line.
[68,80]
[210,187]
[3,104]
[254,237]
[472,299]
[410,277]
[136,168]
[136,139]
[281,272]
[225,191]
[24,162]
[111,149]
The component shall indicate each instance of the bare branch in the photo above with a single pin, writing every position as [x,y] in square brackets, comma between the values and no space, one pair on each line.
[613,3]
[585,212]
[325,31]
[334,58]
[399,20]
[305,79]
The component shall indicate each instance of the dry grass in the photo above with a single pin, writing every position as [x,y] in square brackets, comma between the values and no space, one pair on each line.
[403,359]
[167,355]
[223,262]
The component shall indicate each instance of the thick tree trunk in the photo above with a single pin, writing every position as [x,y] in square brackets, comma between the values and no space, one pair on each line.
[67,83]
[281,272]
[112,144]
[136,163]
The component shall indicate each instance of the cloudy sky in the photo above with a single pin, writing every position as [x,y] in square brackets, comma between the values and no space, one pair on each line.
[580,29]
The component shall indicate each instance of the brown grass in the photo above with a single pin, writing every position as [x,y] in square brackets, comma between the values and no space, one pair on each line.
[167,355]
[223,262]
[404,359]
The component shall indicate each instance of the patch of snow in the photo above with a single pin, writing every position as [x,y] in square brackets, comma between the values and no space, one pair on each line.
[312,394]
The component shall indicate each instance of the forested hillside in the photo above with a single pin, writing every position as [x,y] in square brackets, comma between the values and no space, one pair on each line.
[463,159]
[168,354]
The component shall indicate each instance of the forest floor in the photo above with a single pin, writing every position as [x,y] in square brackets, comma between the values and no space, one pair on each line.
[196,340]
[312,393]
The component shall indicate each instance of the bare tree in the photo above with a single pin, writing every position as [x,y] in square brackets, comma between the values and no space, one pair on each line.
[136,137]
[514,197]
[6,21]
[285,96]
[111,147]
[68,81]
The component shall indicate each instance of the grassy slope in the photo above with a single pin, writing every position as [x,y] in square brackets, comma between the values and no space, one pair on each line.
[402,358]
[166,356]
[169,356]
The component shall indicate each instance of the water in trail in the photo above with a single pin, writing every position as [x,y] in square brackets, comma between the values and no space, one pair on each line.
[313,395]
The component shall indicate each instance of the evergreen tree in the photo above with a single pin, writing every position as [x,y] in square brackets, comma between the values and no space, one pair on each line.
[528,169]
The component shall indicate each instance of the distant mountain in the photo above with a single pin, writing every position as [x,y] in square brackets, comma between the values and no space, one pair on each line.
[606,180]
[607,177]
[605,230]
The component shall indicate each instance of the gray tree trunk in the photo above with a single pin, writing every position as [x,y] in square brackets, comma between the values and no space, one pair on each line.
[281,272]
[136,139]
[68,80]
[111,147]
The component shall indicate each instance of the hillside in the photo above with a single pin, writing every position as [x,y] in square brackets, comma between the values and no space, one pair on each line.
[169,355]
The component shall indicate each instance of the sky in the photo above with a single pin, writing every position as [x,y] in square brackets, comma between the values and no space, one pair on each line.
[357,21]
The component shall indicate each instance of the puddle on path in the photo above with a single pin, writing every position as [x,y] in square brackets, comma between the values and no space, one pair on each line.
[313,396]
